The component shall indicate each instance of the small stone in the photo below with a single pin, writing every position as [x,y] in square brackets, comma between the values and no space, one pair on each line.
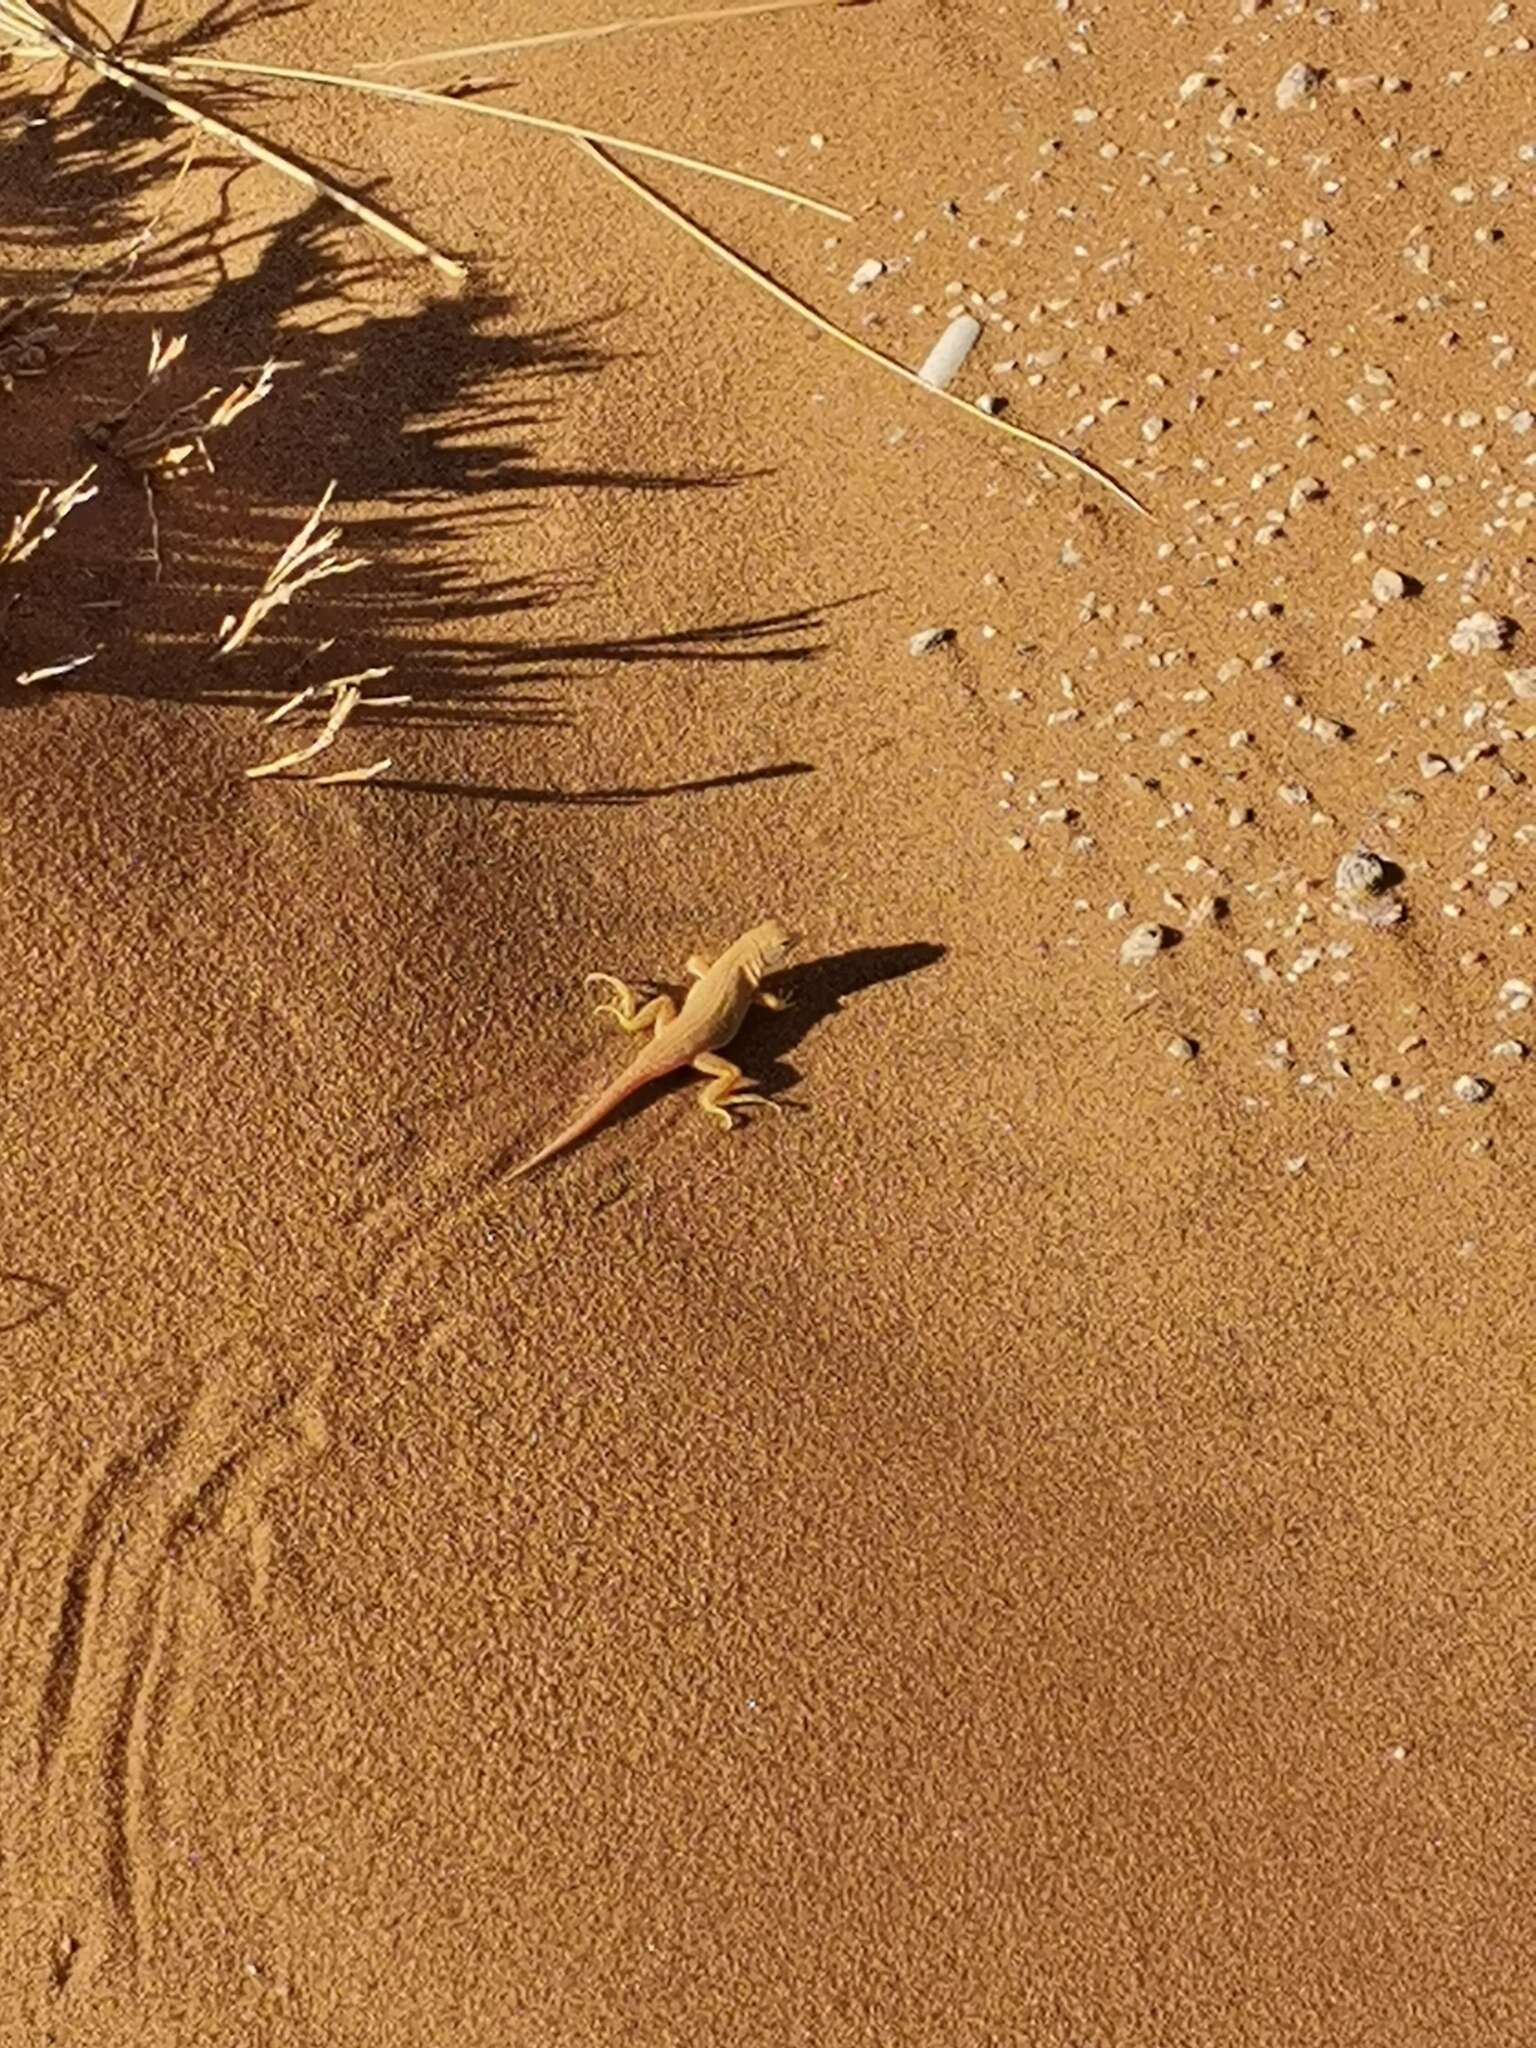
[866,274]
[1306,490]
[930,638]
[1479,633]
[1153,427]
[1382,912]
[1142,944]
[1196,82]
[1510,1049]
[1523,682]
[991,404]
[947,356]
[1471,1088]
[1433,764]
[1388,587]
[1360,873]
[1297,87]
[1181,1048]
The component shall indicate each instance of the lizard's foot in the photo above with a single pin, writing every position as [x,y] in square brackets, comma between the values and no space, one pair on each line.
[625,1001]
[696,966]
[725,1091]
[626,1009]
[772,1001]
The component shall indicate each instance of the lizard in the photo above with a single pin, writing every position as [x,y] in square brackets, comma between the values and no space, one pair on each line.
[713,1011]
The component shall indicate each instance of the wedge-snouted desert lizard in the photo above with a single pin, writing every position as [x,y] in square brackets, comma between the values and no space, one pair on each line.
[713,1011]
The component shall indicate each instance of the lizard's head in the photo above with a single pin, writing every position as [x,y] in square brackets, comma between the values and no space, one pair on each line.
[771,945]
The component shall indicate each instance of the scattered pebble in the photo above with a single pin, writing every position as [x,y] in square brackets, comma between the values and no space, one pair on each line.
[1388,587]
[947,356]
[1297,87]
[1143,943]
[1479,633]
[1360,873]
[1181,1048]
[930,638]
[1471,1088]
[866,274]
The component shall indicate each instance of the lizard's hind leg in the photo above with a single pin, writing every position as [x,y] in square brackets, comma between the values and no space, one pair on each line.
[626,1009]
[726,1090]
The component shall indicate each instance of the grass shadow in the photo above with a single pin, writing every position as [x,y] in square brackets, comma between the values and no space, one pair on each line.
[430,409]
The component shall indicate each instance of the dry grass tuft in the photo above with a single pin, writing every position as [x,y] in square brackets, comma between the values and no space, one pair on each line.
[168,448]
[310,557]
[24,22]
[42,519]
[34,34]
[345,694]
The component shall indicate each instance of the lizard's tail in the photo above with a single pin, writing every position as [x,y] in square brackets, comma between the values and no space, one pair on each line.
[628,1083]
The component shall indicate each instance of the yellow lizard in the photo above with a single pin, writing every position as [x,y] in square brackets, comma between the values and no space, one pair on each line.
[713,1011]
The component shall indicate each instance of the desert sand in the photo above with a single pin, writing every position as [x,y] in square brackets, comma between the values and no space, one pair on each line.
[1033,1543]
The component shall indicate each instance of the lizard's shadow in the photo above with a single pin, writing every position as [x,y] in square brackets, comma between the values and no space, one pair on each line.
[815,990]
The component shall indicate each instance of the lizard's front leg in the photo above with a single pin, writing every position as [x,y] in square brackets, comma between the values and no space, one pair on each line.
[696,966]
[626,1009]
[725,1087]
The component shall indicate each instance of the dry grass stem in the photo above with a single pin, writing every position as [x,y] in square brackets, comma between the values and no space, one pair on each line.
[739,264]
[309,557]
[42,519]
[57,668]
[308,695]
[170,446]
[348,697]
[28,27]
[607,28]
[420,97]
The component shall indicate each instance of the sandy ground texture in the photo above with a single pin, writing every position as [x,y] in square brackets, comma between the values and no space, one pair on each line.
[1034,1543]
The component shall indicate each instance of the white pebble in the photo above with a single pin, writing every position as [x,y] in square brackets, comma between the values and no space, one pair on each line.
[949,352]
[1360,873]
[1479,633]
[1142,944]
[929,638]
[1296,87]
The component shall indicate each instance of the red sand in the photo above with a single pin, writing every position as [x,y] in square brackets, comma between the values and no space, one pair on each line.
[1004,1552]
